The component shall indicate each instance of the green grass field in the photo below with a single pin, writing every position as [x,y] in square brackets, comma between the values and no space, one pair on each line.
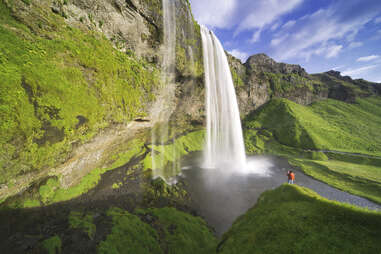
[301,133]
[361,180]
[293,219]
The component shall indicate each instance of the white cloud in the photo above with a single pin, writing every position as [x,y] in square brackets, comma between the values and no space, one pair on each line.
[263,13]
[275,26]
[215,13]
[317,33]
[239,54]
[256,36]
[277,40]
[243,14]
[289,24]
[367,58]
[377,20]
[355,44]
[333,51]
[338,67]
[355,73]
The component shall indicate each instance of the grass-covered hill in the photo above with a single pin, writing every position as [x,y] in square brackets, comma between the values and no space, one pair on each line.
[292,219]
[324,125]
[331,140]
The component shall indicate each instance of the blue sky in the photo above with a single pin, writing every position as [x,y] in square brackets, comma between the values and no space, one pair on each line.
[320,35]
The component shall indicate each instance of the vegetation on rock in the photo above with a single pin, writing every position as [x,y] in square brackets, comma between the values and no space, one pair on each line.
[163,230]
[78,220]
[52,245]
[60,85]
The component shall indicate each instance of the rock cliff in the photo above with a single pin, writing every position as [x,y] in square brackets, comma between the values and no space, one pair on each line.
[261,78]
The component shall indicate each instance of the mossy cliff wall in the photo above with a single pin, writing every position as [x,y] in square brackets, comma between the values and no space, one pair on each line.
[74,74]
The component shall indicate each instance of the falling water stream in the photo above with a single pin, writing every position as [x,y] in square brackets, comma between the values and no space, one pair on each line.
[224,140]
[165,102]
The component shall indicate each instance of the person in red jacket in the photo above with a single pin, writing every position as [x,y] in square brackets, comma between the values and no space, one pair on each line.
[290,176]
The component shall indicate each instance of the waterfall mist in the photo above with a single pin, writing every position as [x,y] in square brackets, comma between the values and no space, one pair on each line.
[224,140]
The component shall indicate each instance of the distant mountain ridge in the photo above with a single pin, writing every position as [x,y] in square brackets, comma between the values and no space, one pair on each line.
[261,78]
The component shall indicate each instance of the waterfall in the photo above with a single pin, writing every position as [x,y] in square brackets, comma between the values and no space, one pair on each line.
[166,100]
[224,140]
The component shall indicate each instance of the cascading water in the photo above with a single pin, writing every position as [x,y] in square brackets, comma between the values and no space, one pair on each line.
[165,102]
[224,140]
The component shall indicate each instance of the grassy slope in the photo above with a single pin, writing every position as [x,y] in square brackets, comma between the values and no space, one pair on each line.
[51,74]
[325,125]
[292,130]
[361,180]
[292,219]
[165,230]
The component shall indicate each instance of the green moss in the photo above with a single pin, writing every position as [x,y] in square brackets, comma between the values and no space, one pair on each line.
[84,222]
[52,191]
[46,84]
[181,59]
[129,235]
[136,148]
[286,83]
[157,189]
[47,191]
[27,2]
[181,232]
[293,219]
[191,142]
[31,203]
[238,82]
[168,231]
[117,185]
[52,245]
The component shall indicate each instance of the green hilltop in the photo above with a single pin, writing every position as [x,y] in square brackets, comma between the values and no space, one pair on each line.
[330,140]
[293,219]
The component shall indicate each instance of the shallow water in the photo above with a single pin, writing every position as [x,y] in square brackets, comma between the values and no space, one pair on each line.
[221,196]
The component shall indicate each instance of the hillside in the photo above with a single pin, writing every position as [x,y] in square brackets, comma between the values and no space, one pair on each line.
[292,219]
[331,140]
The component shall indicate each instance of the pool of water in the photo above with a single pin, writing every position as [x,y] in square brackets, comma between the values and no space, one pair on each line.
[221,195]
